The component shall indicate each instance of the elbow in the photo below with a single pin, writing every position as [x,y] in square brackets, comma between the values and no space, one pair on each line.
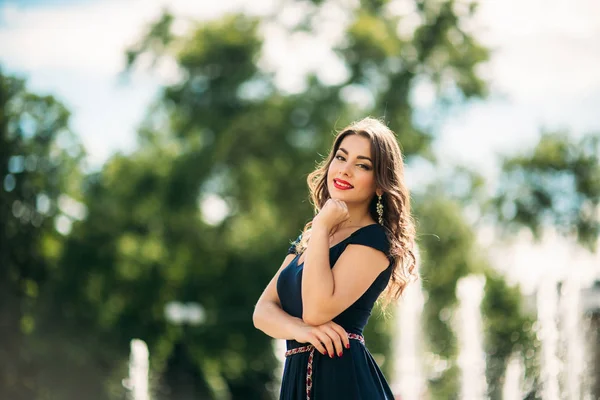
[260,316]
[314,317]
[256,317]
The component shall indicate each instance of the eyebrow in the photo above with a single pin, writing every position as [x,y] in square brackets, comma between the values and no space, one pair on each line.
[359,157]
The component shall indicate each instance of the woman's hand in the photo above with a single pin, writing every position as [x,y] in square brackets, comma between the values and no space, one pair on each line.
[326,338]
[333,213]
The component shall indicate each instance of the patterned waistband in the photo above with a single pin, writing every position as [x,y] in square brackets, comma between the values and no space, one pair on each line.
[309,367]
[307,348]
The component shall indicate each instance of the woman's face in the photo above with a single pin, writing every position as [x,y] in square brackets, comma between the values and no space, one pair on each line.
[350,176]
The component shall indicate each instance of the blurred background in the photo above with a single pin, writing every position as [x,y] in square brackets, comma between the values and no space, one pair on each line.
[153,164]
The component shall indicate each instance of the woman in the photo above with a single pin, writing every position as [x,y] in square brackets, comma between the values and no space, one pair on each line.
[357,247]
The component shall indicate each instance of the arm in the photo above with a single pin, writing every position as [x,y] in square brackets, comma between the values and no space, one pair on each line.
[326,291]
[268,315]
[272,320]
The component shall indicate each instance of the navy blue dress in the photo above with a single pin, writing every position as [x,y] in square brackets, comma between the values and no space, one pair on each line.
[355,375]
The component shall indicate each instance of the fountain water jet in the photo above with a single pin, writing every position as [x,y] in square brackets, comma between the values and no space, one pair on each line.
[471,356]
[547,299]
[138,370]
[407,380]
[572,337]
[513,379]
[279,348]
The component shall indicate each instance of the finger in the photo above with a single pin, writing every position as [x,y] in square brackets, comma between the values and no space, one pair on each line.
[342,204]
[336,339]
[341,208]
[342,334]
[316,342]
[327,342]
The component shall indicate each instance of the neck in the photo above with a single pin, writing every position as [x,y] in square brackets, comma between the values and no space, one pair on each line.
[358,216]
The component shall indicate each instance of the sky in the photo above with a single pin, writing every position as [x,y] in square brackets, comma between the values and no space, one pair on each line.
[544,74]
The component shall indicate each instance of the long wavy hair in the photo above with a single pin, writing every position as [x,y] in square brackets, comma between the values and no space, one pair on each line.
[389,177]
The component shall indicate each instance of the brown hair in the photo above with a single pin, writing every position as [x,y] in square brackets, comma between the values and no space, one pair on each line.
[389,177]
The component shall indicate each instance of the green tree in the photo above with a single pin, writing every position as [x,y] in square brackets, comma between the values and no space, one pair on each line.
[449,252]
[226,137]
[553,186]
[556,184]
[281,133]
[39,169]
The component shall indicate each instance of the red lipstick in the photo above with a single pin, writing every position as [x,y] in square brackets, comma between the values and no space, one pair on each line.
[341,184]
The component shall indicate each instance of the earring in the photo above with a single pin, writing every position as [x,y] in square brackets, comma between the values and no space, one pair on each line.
[379,209]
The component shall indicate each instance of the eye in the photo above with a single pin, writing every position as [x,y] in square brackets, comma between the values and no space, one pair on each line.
[364,166]
[339,157]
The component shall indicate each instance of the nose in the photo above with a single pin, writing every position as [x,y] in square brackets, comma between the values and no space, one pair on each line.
[346,168]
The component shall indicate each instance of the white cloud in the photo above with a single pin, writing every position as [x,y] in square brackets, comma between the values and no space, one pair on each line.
[542,48]
[76,51]
[481,133]
[545,61]
[544,74]
[104,113]
[475,136]
[92,36]
[312,53]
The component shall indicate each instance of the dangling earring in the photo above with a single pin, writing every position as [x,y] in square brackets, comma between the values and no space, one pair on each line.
[379,209]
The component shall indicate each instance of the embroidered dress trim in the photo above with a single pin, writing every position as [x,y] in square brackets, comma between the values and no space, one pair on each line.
[309,368]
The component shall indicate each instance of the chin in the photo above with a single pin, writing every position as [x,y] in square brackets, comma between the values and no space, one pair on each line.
[333,192]
[337,194]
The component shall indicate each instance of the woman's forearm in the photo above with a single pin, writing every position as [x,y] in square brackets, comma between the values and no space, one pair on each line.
[317,278]
[272,320]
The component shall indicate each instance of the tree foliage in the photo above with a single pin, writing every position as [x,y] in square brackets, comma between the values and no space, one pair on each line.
[238,127]
[450,252]
[203,210]
[39,168]
[555,184]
